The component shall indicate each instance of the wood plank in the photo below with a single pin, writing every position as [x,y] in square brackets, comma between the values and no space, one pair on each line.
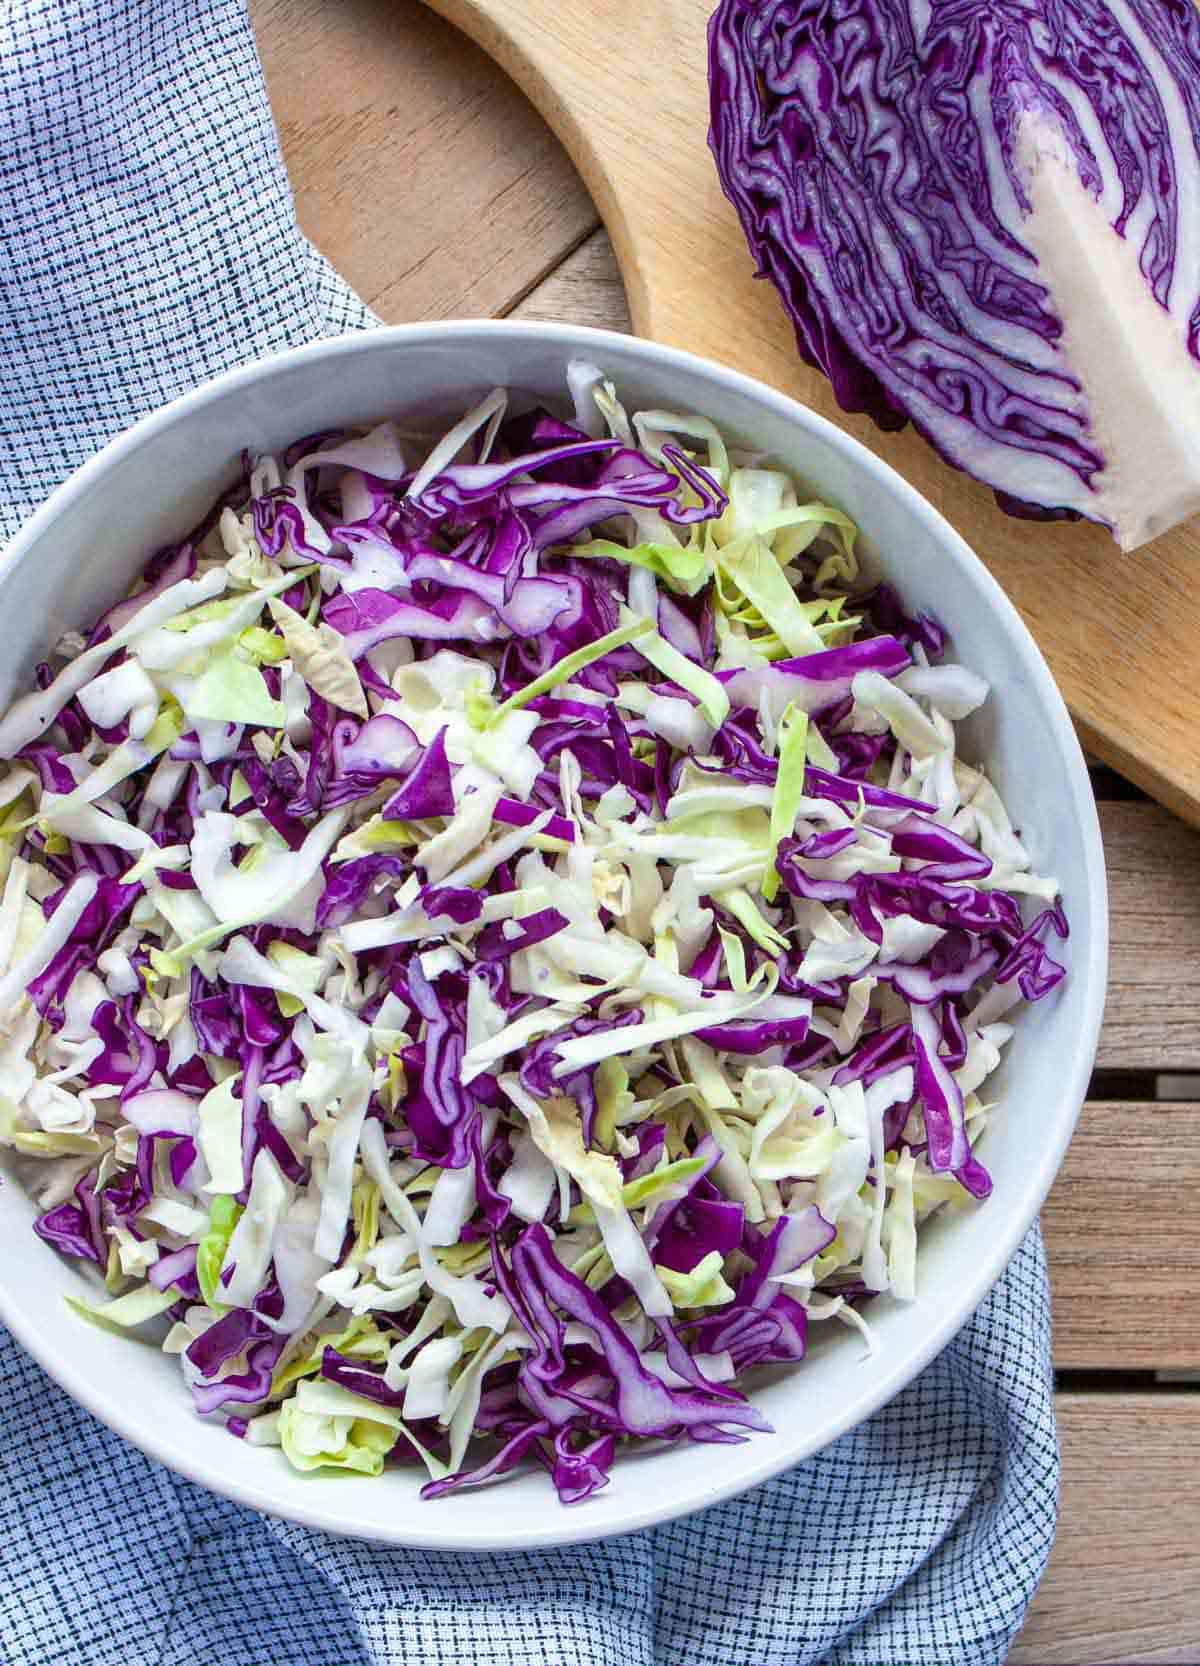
[1152,1021]
[585,289]
[1122,1227]
[419,169]
[1123,1584]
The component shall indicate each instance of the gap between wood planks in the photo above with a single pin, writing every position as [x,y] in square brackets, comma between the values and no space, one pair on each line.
[430,183]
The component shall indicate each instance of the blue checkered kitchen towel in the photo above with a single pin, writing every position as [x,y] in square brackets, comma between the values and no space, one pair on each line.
[147,242]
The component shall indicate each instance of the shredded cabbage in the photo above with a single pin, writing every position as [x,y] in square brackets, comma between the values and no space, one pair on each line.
[489,959]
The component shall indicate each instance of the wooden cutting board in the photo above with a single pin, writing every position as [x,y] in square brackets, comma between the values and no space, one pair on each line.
[624,85]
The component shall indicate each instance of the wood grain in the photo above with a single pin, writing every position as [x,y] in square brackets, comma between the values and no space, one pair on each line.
[585,289]
[1120,648]
[1152,1021]
[418,169]
[1122,1228]
[1124,1578]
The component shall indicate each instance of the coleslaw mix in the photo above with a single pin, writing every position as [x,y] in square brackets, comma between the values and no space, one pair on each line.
[497,940]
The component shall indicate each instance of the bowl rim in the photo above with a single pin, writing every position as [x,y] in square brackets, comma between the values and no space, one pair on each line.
[1090,968]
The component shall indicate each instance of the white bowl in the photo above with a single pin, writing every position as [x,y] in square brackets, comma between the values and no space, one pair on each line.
[83,547]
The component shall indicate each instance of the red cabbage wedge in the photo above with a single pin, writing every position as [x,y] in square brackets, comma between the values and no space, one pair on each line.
[497,940]
[983,217]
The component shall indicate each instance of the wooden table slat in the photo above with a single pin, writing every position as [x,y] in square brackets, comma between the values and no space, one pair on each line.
[1153,1017]
[1123,1584]
[429,181]
[586,289]
[1122,1229]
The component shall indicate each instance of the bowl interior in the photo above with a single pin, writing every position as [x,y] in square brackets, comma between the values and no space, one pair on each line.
[85,545]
